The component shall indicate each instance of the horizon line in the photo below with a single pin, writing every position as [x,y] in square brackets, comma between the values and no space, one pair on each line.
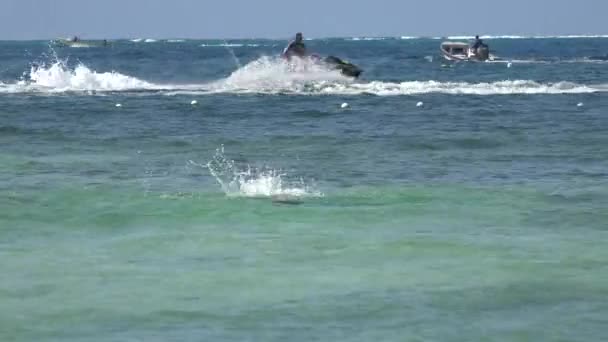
[362,37]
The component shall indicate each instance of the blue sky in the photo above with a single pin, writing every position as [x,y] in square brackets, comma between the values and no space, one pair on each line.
[43,19]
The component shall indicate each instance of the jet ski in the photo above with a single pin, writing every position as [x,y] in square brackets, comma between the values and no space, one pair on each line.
[346,68]
[332,62]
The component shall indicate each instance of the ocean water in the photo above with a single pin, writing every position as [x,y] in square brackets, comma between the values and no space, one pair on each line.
[186,190]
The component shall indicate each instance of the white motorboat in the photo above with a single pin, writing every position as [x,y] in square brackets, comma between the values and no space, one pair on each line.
[458,51]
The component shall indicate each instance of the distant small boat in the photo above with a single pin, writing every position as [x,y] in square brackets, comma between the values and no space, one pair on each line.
[77,43]
[458,51]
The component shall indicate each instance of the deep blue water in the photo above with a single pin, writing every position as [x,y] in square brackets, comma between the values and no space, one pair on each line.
[206,190]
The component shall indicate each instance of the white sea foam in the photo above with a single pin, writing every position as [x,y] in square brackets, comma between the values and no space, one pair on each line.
[274,86]
[222,45]
[137,40]
[273,76]
[59,78]
[367,38]
[525,37]
[150,40]
[469,37]
[81,45]
[251,182]
[230,45]
[456,88]
[486,37]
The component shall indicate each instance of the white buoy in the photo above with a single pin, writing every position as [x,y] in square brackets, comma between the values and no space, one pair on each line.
[509,64]
[193,102]
[344,105]
[420,104]
[580,104]
[118,105]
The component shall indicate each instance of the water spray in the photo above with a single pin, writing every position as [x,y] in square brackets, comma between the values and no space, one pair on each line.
[234,57]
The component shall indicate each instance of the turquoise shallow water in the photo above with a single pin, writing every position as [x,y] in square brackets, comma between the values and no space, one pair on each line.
[267,212]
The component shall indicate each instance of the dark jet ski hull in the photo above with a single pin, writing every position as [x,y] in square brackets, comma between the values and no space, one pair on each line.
[346,68]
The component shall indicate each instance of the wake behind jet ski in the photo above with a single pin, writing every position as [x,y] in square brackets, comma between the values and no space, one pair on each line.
[297,48]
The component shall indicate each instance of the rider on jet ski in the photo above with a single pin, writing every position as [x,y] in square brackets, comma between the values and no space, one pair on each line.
[480,49]
[477,44]
[295,48]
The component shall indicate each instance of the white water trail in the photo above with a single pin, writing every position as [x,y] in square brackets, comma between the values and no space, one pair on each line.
[456,88]
[59,78]
[268,75]
[275,75]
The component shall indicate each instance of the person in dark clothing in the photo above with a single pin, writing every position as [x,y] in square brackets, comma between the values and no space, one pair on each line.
[295,48]
[478,43]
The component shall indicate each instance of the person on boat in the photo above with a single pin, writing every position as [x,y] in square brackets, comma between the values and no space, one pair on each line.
[477,43]
[295,48]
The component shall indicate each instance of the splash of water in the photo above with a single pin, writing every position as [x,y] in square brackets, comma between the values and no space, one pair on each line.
[236,60]
[251,182]
[59,78]
[276,75]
